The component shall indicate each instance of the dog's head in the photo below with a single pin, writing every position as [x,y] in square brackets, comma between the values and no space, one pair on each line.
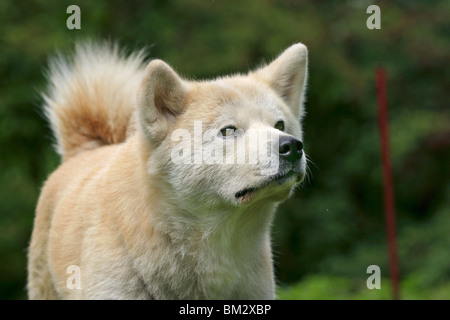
[231,141]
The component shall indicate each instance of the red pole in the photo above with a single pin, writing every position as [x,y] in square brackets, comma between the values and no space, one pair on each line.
[389,202]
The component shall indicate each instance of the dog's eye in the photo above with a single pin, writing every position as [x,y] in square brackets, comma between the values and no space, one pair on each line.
[280,125]
[227,131]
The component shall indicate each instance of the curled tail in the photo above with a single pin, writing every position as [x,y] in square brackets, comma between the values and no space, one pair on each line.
[91,97]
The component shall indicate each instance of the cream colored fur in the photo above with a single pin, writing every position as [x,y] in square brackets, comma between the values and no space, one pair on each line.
[138,225]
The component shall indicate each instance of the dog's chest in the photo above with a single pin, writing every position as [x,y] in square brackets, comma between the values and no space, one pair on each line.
[209,273]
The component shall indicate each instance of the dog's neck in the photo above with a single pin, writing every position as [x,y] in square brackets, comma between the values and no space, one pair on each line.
[218,253]
[224,228]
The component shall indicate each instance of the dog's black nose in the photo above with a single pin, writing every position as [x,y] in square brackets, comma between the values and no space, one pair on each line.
[290,148]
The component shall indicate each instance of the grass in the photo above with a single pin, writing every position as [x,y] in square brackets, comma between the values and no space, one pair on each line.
[326,287]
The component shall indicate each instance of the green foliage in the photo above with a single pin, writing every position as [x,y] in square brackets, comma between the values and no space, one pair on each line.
[325,236]
[328,287]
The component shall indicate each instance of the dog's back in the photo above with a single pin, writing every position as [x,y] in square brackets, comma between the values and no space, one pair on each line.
[90,104]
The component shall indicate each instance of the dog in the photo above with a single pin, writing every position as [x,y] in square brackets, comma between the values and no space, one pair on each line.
[142,207]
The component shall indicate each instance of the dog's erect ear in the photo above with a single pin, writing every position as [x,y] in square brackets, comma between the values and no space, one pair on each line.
[161,98]
[287,75]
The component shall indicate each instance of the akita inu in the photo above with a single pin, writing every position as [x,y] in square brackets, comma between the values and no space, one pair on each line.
[135,223]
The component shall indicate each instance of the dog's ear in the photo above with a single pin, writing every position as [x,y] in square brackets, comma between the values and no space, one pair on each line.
[287,75]
[161,99]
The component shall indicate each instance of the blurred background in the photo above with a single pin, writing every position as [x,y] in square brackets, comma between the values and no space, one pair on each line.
[334,228]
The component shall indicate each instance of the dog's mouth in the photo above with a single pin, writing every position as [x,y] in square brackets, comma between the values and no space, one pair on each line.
[247,194]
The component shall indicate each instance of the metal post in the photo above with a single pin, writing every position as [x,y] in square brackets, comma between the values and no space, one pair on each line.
[389,201]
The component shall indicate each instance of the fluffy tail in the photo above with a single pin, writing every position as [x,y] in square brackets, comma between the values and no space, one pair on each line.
[91,97]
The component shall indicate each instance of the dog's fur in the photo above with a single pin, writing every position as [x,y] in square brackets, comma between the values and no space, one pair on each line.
[138,225]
